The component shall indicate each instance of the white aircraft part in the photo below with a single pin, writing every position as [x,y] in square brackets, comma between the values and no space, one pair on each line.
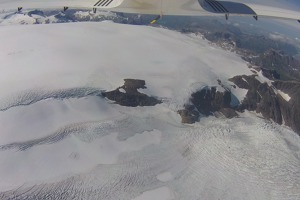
[106,4]
[156,7]
[162,7]
[267,11]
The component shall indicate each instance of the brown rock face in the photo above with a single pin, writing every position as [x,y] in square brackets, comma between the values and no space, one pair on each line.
[270,74]
[290,110]
[229,112]
[269,100]
[266,100]
[189,114]
[128,94]
[207,101]
[273,61]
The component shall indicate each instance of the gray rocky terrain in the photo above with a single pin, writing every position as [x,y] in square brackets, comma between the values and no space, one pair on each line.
[128,94]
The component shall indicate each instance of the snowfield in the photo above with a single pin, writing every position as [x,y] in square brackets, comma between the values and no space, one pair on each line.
[60,139]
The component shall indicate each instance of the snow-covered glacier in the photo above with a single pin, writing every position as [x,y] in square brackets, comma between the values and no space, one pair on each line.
[61,139]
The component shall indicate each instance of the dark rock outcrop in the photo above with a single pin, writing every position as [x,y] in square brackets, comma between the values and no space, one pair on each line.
[287,66]
[189,114]
[279,101]
[267,100]
[260,97]
[270,74]
[207,101]
[290,110]
[128,94]
[228,112]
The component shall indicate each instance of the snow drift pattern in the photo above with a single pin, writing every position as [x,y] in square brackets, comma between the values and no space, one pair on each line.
[83,147]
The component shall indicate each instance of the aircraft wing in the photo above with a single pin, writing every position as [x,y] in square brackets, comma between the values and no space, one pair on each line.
[158,7]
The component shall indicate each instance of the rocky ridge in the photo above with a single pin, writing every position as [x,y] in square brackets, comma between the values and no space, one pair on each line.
[207,101]
[128,94]
[276,100]
[285,65]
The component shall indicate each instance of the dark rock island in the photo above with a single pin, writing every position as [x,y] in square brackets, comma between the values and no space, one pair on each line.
[128,94]
[278,101]
[207,101]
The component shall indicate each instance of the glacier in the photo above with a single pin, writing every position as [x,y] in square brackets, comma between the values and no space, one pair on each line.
[60,139]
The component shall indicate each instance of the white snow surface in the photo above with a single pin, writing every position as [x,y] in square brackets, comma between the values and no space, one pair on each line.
[122,90]
[25,17]
[162,193]
[60,139]
[284,95]
[165,177]
[111,52]
[261,78]
[18,19]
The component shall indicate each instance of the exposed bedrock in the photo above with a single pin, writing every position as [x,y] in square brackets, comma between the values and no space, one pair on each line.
[128,94]
[278,101]
[207,101]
